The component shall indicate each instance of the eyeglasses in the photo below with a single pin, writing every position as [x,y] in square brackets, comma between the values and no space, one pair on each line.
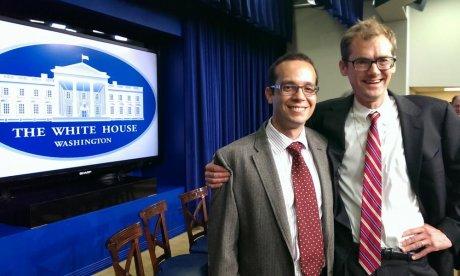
[290,89]
[364,64]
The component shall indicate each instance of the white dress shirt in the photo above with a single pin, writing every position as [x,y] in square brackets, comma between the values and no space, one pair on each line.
[283,162]
[400,208]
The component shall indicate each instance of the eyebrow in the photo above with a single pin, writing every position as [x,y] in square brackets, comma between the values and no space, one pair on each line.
[293,82]
[371,58]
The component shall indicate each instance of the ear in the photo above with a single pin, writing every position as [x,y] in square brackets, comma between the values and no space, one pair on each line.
[269,94]
[343,66]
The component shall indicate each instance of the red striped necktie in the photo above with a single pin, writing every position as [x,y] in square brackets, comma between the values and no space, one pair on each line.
[309,233]
[371,204]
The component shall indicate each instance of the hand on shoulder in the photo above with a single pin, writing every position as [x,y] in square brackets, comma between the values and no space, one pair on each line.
[215,175]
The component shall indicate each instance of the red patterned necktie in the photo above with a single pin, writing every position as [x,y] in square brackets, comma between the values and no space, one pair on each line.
[309,234]
[371,205]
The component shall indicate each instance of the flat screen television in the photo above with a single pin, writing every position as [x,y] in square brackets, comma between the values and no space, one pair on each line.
[73,104]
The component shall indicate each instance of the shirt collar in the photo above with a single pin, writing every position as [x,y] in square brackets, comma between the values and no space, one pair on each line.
[279,141]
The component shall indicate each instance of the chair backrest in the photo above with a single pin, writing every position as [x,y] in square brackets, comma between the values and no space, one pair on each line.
[154,224]
[129,235]
[195,212]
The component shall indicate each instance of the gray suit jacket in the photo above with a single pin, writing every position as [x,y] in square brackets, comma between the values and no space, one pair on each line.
[248,227]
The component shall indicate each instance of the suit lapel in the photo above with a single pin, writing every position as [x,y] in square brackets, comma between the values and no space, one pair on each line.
[334,128]
[266,168]
[318,151]
[412,134]
[334,123]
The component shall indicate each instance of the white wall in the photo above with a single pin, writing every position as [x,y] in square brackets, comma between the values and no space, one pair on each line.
[434,47]
[400,81]
[318,35]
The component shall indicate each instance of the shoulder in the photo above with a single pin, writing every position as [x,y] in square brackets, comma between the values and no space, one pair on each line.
[333,109]
[240,146]
[238,153]
[423,104]
[336,105]
[425,101]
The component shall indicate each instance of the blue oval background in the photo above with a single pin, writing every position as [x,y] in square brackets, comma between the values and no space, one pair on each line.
[37,59]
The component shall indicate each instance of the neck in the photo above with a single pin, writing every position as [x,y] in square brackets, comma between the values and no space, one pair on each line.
[371,103]
[292,133]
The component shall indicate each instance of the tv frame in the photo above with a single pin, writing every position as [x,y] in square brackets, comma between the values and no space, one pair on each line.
[100,171]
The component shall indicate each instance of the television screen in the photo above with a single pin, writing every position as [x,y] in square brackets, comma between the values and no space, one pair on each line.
[72,101]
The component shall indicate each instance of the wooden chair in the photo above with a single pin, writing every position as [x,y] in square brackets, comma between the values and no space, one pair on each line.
[196,214]
[154,225]
[129,235]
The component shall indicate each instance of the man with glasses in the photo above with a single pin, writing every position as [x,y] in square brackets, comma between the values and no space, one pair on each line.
[395,163]
[274,216]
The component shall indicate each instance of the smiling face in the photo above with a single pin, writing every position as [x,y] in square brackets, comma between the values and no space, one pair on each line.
[291,112]
[369,86]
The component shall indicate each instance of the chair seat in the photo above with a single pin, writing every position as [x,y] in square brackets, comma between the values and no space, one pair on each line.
[185,265]
[200,245]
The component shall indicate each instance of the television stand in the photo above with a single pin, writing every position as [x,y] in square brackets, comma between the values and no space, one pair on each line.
[38,204]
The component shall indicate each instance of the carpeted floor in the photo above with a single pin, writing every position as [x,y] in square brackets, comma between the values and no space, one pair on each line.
[179,245]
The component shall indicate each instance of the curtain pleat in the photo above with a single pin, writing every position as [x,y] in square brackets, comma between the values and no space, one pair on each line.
[225,77]
[273,16]
[348,12]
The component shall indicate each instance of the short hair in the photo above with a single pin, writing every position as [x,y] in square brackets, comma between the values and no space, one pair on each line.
[366,30]
[455,98]
[289,57]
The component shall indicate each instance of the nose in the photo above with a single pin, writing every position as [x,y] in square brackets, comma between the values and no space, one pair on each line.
[299,95]
[374,68]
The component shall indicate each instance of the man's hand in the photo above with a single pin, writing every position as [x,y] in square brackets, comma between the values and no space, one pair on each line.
[427,238]
[215,175]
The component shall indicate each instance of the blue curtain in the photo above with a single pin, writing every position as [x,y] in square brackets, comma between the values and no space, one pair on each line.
[273,16]
[225,77]
[348,12]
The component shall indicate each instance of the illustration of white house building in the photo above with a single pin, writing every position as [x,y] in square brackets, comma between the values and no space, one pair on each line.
[78,92]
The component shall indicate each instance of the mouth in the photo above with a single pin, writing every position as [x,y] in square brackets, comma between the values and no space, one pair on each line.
[297,108]
[373,81]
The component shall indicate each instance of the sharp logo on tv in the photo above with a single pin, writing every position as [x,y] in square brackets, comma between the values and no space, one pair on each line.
[67,97]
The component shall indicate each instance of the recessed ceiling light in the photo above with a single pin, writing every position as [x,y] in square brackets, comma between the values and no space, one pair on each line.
[120,38]
[452,89]
[58,26]
[37,21]
[97,32]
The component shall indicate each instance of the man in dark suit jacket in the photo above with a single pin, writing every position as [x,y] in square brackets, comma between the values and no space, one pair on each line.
[253,224]
[420,155]
[430,135]
[421,163]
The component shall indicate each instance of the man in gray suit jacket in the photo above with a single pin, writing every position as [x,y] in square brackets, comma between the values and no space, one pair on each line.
[253,226]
